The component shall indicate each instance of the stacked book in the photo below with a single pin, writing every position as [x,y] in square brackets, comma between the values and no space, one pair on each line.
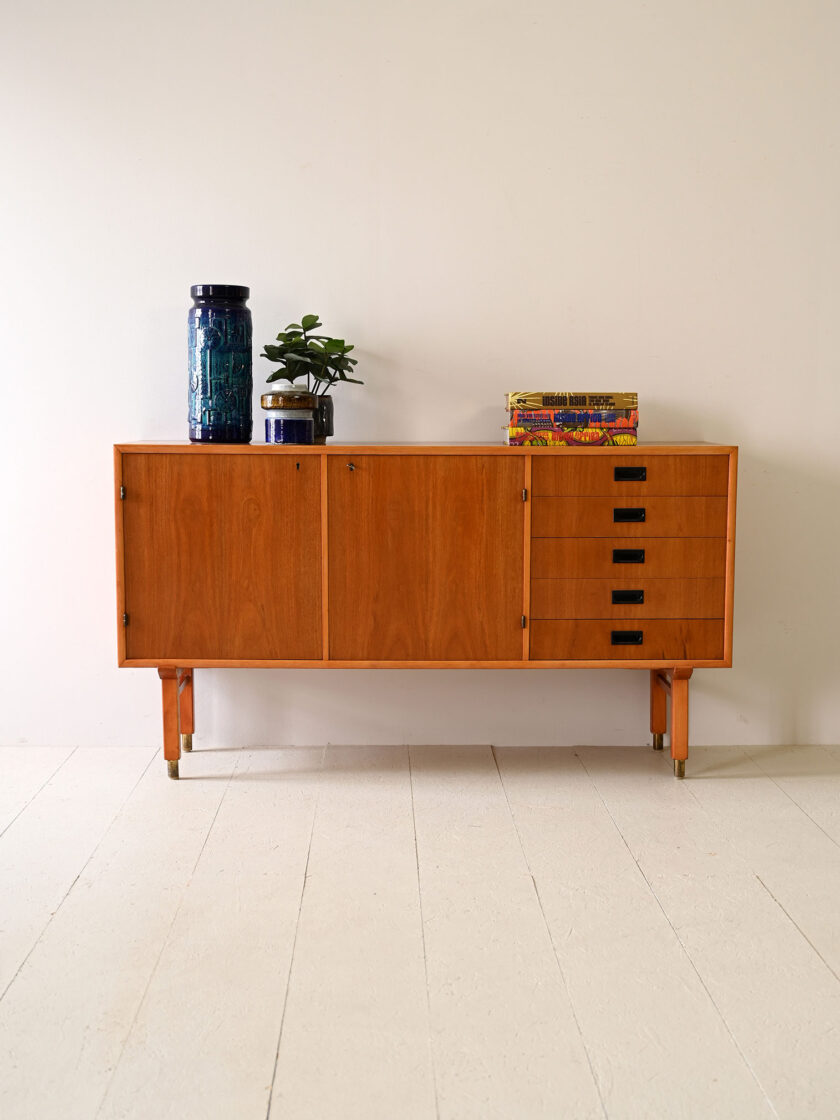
[577,419]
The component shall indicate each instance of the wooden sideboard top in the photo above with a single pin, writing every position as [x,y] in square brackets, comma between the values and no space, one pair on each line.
[424,448]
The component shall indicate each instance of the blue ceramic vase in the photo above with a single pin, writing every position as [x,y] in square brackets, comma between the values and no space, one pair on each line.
[221,381]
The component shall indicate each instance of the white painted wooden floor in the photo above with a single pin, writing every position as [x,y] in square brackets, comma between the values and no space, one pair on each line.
[437,932]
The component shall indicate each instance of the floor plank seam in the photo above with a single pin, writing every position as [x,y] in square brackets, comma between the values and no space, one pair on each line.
[798,928]
[45,783]
[81,872]
[164,942]
[294,943]
[423,937]
[679,940]
[551,941]
[791,798]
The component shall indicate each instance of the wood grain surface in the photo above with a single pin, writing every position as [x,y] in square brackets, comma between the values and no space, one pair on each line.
[592,598]
[425,557]
[677,475]
[730,551]
[222,557]
[595,517]
[592,557]
[662,639]
[226,556]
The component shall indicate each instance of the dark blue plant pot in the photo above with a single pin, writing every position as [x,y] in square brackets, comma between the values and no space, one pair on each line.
[221,381]
[290,429]
[323,419]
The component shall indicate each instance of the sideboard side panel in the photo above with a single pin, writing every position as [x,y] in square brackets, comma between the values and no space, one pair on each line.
[120,557]
[729,608]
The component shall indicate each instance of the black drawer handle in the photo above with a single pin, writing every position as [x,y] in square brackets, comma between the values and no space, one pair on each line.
[626,637]
[622,598]
[628,556]
[630,474]
[629,513]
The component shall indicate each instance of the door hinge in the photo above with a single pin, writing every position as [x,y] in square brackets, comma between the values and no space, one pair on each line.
[125,620]
[524,622]
[122,493]
[524,495]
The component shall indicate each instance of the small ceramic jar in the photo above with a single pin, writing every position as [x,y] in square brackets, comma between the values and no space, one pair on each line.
[288,399]
[289,416]
[289,425]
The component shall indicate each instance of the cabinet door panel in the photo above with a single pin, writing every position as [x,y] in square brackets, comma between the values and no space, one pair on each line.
[222,557]
[425,557]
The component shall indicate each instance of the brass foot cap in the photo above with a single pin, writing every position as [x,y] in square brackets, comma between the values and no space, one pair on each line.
[679,767]
[172,767]
[186,742]
[658,742]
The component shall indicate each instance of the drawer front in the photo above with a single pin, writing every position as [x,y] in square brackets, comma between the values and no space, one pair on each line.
[697,639]
[627,598]
[628,558]
[642,517]
[620,476]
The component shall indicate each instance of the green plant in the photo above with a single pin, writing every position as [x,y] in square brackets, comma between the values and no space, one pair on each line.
[320,359]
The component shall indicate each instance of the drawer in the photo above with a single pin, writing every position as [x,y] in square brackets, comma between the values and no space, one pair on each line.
[642,517]
[628,558]
[627,598]
[660,640]
[620,476]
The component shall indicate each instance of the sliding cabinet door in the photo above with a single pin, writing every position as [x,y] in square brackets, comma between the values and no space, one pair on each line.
[222,556]
[425,557]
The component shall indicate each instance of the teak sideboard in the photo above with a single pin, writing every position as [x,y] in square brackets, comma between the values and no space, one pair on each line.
[461,557]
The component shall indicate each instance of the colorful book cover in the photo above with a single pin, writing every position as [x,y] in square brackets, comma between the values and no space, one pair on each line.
[572,437]
[574,418]
[528,400]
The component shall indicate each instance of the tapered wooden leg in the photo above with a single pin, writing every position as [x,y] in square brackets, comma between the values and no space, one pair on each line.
[679,719]
[185,708]
[171,744]
[658,711]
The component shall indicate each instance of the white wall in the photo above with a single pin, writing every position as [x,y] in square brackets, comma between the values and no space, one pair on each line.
[483,196]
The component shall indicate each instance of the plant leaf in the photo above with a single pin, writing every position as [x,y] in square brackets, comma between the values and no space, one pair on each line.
[309,322]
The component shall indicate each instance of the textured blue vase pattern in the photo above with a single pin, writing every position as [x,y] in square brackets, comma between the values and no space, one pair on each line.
[221,380]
